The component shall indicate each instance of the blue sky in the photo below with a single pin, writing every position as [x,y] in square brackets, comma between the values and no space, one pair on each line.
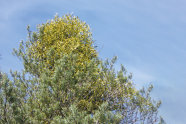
[148,36]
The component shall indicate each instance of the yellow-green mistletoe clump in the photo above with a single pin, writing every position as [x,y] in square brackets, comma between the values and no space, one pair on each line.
[59,37]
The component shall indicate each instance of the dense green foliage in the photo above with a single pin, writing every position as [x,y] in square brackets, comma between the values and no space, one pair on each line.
[64,81]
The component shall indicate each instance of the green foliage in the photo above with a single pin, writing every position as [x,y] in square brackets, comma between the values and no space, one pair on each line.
[64,81]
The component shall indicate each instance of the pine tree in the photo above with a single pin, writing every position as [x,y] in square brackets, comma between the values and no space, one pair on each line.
[64,81]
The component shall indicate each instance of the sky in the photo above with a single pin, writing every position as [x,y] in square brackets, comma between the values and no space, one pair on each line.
[148,36]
